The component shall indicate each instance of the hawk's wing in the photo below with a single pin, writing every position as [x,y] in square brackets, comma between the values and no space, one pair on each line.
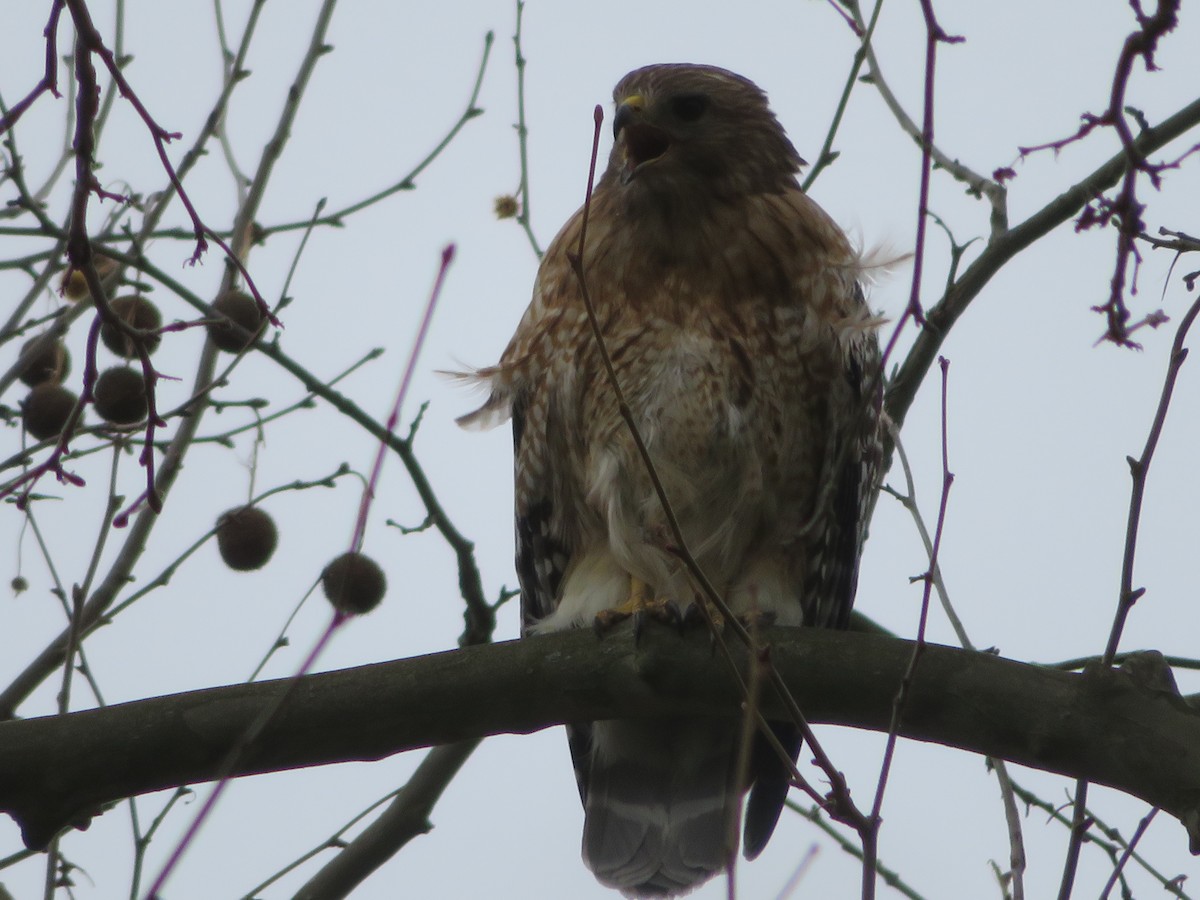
[829,595]
[541,559]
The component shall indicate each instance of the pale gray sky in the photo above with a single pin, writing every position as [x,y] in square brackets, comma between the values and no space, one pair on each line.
[1041,420]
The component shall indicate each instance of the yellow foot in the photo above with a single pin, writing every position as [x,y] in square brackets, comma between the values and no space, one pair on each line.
[641,606]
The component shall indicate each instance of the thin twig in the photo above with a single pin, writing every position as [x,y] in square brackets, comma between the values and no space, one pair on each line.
[1133,841]
[247,740]
[523,218]
[978,184]
[170,464]
[1139,469]
[1111,843]
[904,691]
[1124,211]
[406,817]
[903,387]
[826,156]
[1128,596]
[49,80]
[890,876]
[409,181]
[414,353]
[337,839]
[1012,815]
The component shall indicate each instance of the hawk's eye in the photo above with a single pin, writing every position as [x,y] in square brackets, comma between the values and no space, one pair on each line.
[689,107]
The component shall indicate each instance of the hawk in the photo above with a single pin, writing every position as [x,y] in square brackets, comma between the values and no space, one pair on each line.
[731,306]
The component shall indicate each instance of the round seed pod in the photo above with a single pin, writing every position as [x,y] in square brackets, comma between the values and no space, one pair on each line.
[74,286]
[47,408]
[506,206]
[138,312]
[239,307]
[353,583]
[120,396]
[51,363]
[246,538]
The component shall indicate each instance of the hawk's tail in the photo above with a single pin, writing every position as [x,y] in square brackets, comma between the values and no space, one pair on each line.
[659,800]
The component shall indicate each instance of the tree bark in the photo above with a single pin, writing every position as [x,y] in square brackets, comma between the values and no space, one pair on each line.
[1124,729]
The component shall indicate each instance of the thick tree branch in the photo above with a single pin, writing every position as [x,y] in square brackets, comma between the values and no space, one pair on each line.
[1103,725]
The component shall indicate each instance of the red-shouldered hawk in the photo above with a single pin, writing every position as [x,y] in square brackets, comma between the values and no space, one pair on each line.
[731,306]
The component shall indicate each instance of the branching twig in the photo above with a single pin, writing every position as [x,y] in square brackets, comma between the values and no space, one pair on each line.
[826,156]
[49,80]
[523,218]
[870,841]
[1112,843]
[902,388]
[1012,814]
[1139,468]
[890,876]
[409,181]
[979,185]
[1125,211]
[169,466]
[406,817]
[1128,595]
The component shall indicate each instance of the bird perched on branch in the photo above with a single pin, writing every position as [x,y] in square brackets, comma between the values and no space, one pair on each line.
[732,309]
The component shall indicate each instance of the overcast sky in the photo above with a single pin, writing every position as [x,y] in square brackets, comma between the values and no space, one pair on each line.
[1040,419]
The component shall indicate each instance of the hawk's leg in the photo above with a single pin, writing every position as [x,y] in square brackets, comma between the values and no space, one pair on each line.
[640,606]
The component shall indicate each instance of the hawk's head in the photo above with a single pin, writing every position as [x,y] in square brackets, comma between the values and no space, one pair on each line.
[689,128]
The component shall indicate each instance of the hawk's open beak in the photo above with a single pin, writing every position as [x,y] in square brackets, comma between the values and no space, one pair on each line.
[642,142]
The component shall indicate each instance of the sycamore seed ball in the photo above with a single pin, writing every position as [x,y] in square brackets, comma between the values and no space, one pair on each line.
[246,538]
[120,396]
[73,283]
[47,408]
[238,307]
[353,583]
[138,312]
[51,363]
[506,207]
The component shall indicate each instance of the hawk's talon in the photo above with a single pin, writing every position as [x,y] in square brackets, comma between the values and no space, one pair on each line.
[703,611]
[607,619]
[694,616]
[661,610]
[641,606]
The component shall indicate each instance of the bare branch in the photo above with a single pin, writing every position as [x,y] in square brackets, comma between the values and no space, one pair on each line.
[406,817]
[60,770]
[902,389]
